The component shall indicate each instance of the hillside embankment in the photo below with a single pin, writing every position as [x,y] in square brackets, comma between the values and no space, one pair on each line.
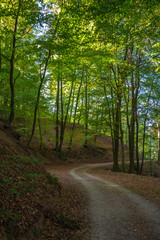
[35,204]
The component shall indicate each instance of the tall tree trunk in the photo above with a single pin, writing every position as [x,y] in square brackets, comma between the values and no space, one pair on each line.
[0,54]
[65,120]
[40,130]
[158,143]
[137,143]
[38,98]
[122,144]
[143,145]
[136,111]
[116,128]
[132,129]
[86,113]
[71,108]
[97,119]
[57,110]
[150,155]
[144,132]
[75,112]
[11,76]
[0,45]
[81,110]
[62,124]
[111,117]
[116,121]
[112,120]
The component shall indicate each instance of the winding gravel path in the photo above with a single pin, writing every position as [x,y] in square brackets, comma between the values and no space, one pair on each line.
[115,212]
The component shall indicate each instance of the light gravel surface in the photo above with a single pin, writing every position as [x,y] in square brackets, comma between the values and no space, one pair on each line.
[115,212]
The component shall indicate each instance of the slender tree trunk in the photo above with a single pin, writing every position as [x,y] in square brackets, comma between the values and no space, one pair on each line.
[128,123]
[116,136]
[0,45]
[137,131]
[71,108]
[116,121]
[122,144]
[81,110]
[11,77]
[71,139]
[158,124]
[131,144]
[150,153]
[97,119]
[62,124]
[136,111]
[111,115]
[0,53]
[144,134]
[38,98]
[86,114]
[57,110]
[111,123]
[40,130]
[143,145]
[65,121]
[132,129]
[159,150]
[137,143]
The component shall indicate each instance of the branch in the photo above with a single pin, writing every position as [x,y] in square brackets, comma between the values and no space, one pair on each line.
[5,57]
[25,33]
[17,77]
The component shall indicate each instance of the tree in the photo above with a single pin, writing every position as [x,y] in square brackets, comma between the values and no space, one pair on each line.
[86,62]
[17,20]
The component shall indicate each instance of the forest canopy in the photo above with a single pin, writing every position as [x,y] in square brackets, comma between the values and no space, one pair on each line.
[93,63]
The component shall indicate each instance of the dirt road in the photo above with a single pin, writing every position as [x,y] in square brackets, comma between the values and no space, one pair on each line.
[115,213]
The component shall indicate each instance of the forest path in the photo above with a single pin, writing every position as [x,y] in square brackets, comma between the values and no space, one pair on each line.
[115,212]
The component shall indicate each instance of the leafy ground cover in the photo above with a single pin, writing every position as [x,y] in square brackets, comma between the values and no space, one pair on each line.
[33,203]
[145,185]
[30,195]
[37,205]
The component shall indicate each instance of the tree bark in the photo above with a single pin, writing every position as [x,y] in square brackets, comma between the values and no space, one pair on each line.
[81,110]
[71,138]
[116,136]
[40,130]
[71,108]
[62,124]
[11,76]
[144,133]
[65,121]
[132,129]
[86,113]
[38,98]
[136,111]
[158,143]
[57,110]
[137,143]
[122,144]
[0,55]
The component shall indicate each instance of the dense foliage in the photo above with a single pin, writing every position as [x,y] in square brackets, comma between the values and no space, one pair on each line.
[93,63]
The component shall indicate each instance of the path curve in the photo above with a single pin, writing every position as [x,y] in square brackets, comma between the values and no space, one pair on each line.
[115,212]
